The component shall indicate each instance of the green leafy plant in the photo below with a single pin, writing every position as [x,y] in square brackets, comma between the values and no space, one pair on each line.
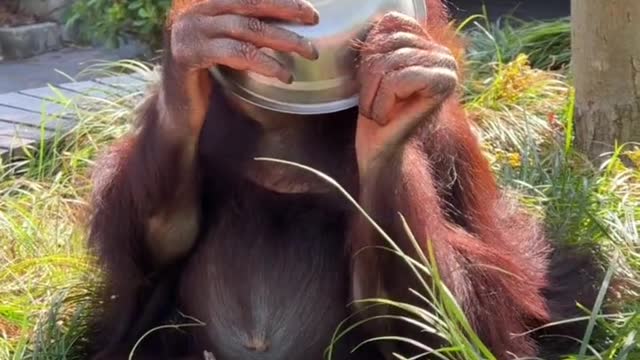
[115,21]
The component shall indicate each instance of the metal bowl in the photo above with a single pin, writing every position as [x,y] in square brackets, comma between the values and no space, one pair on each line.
[327,84]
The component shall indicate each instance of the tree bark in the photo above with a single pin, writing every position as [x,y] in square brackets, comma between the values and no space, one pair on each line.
[606,67]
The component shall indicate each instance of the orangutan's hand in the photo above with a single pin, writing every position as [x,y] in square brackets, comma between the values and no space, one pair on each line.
[404,78]
[232,33]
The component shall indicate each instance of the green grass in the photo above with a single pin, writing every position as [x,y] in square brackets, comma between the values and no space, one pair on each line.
[519,97]
[548,43]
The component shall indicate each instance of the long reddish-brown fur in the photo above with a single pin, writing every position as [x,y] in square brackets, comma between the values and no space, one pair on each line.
[492,255]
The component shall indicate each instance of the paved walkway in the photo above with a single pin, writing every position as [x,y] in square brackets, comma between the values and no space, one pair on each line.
[29,117]
[30,111]
[45,69]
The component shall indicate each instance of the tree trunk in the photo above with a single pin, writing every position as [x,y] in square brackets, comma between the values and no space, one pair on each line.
[606,65]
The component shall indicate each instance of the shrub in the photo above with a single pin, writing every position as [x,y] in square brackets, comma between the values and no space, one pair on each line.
[115,21]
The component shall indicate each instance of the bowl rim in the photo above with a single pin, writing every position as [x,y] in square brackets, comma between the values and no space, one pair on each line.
[253,98]
[284,107]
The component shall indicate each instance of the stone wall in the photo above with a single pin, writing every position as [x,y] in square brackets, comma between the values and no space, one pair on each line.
[30,40]
[45,9]
[26,41]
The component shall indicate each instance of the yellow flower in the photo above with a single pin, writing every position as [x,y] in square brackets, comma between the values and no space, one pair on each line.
[511,158]
[634,156]
[515,160]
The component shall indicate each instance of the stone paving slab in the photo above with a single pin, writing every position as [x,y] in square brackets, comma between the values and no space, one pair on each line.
[48,93]
[30,103]
[33,119]
[13,138]
[10,144]
[29,115]
[122,82]
[92,88]
[82,100]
